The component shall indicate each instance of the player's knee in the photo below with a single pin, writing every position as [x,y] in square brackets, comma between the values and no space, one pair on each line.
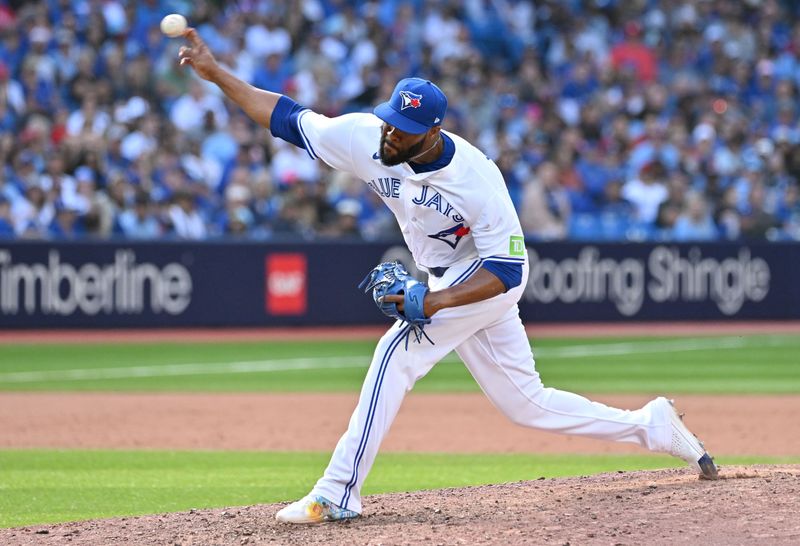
[527,408]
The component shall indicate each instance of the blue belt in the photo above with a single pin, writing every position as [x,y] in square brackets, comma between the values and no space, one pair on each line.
[438,271]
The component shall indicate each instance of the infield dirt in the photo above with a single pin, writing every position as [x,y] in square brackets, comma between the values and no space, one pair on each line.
[448,423]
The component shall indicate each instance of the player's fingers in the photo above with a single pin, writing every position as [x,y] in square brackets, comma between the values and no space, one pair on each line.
[191,35]
[183,51]
[393,298]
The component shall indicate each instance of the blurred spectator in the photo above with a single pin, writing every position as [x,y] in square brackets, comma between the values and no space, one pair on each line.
[272,73]
[66,224]
[238,218]
[653,146]
[6,224]
[674,205]
[44,64]
[66,56]
[11,91]
[633,57]
[756,222]
[240,221]
[791,216]
[727,215]
[614,202]
[694,223]
[344,223]
[269,38]
[187,113]
[291,164]
[143,140]
[84,82]
[185,221]
[646,192]
[97,213]
[33,213]
[546,208]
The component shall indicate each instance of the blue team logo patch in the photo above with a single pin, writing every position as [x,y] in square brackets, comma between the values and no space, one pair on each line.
[452,235]
[410,100]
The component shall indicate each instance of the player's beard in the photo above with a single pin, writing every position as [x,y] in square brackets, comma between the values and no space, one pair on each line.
[398,157]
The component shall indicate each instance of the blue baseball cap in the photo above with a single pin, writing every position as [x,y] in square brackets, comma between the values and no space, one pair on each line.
[416,105]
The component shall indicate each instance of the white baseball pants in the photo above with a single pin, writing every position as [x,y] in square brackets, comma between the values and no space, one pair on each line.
[491,340]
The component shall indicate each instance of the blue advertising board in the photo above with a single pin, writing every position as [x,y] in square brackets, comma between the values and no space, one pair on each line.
[171,284]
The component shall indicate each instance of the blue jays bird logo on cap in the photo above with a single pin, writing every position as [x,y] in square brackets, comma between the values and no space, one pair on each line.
[415,106]
[410,100]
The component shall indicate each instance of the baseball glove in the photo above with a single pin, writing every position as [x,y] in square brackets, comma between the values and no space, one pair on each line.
[392,278]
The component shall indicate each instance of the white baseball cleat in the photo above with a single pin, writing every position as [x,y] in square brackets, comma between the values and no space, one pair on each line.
[313,509]
[687,446]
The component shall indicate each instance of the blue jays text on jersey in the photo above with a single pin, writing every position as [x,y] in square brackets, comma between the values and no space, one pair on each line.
[436,201]
[386,187]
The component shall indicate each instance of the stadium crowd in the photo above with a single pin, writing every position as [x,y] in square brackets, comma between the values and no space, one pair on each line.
[610,119]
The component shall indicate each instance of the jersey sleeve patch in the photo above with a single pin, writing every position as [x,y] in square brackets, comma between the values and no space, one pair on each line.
[516,245]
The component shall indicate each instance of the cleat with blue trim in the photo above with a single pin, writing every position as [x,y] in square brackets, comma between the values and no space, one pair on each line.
[313,509]
[686,446]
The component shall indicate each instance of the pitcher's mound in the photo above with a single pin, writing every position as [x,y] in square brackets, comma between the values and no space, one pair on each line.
[748,505]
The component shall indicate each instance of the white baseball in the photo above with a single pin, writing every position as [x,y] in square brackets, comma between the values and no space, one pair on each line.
[173,25]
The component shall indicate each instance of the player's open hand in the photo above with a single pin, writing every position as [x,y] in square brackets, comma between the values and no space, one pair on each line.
[197,55]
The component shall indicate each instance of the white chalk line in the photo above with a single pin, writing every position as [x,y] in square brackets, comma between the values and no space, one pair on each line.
[165,370]
[362,361]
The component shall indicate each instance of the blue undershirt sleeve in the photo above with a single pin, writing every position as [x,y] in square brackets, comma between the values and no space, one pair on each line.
[283,122]
[509,274]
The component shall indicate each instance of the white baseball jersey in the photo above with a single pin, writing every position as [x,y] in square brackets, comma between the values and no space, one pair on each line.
[458,216]
[448,216]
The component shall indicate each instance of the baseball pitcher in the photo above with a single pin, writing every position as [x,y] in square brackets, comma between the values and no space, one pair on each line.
[458,221]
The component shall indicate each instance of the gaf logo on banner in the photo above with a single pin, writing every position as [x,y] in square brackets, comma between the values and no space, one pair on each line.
[286,276]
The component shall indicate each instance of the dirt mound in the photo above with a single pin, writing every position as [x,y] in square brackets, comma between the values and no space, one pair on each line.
[427,422]
[750,505]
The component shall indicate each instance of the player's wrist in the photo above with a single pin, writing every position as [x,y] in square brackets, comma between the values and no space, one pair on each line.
[216,73]
[434,302]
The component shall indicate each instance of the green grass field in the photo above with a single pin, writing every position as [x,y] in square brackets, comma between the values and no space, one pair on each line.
[730,364]
[53,486]
[42,486]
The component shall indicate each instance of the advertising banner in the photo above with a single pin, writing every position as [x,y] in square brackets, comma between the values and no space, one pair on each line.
[172,284]
[571,282]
